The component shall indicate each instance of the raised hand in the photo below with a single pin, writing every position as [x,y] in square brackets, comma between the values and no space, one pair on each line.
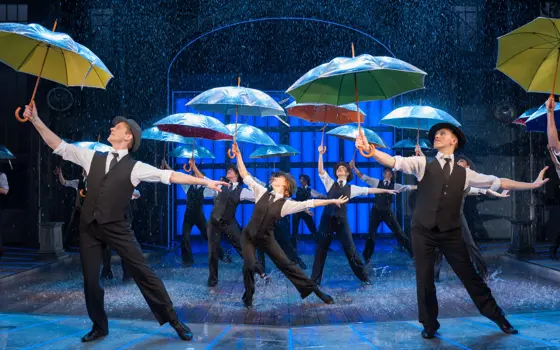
[30,112]
[417,150]
[550,104]
[215,185]
[322,149]
[540,179]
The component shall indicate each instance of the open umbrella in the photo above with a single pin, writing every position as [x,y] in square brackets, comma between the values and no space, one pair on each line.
[5,154]
[350,132]
[239,100]
[251,134]
[364,78]
[411,144]
[280,150]
[537,121]
[156,134]
[523,117]
[33,49]
[196,152]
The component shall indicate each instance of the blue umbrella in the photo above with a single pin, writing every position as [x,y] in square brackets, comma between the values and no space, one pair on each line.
[155,134]
[537,121]
[96,146]
[274,151]
[411,144]
[350,132]
[5,154]
[417,117]
[194,125]
[250,134]
[198,152]
[523,117]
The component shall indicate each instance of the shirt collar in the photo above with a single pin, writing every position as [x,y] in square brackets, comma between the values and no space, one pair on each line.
[441,156]
[276,195]
[121,152]
[343,182]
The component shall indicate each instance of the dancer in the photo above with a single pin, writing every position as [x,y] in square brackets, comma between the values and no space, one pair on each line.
[258,234]
[79,185]
[4,189]
[382,210]
[437,222]
[111,180]
[554,147]
[334,219]
[304,192]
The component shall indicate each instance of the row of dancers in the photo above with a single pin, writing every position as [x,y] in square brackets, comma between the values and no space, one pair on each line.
[436,224]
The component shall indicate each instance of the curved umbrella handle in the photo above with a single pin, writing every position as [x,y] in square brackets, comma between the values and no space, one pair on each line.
[324,150]
[82,193]
[230,153]
[189,169]
[367,155]
[20,119]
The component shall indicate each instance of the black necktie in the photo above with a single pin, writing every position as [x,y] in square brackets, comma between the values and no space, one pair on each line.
[341,183]
[271,198]
[446,169]
[114,160]
[386,183]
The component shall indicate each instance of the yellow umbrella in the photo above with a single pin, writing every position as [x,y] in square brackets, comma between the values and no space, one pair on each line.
[530,54]
[35,50]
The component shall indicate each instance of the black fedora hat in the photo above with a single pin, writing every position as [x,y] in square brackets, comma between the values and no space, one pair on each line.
[347,166]
[134,128]
[462,140]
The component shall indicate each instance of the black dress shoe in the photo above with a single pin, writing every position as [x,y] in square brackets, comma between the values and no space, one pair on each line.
[506,327]
[182,330]
[94,334]
[327,299]
[212,283]
[428,334]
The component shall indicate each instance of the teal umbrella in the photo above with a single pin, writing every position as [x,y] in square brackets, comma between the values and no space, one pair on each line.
[350,132]
[155,134]
[274,151]
[250,134]
[5,154]
[96,146]
[411,144]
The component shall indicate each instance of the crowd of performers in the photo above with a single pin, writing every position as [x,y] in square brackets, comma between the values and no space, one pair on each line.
[438,227]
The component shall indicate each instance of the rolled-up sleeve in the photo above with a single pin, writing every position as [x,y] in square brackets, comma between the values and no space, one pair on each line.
[358,191]
[411,165]
[4,182]
[326,180]
[143,172]
[257,189]
[370,180]
[475,179]
[292,207]
[77,155]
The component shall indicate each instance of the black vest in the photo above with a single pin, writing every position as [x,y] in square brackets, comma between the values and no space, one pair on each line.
[195,199]
[108,196]
[438,203]
[265,216]
[225,204]
[303,194]
[334,193]
[81,188]
[384,201]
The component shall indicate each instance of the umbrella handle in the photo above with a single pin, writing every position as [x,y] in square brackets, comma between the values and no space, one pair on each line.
[324,150]
[82,193]
[230,153]
[189,169]
[20,119]
[367,155]
[230,150]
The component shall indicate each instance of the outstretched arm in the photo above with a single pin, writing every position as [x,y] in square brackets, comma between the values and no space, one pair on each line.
[291,207]
[320,165]
[240,164]
[551,130]
[184,179]
[382,157]
[373,190]
[508,184]
[50,138]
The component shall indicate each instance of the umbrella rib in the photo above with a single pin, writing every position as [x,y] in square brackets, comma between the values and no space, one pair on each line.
[519,53]
[538,67]
[554,25]
[380,88]
[28,55]
[66,68]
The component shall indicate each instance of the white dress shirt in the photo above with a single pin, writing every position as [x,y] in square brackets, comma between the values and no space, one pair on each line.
[373,182]
[315,194]
[417,166]
[208,193]
[4,181]
[140,172]
[245,194]
[355,191]
[76,182]
[290,207]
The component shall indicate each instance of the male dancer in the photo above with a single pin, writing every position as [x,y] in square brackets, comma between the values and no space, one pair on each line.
[269,208]
[111,180]
[437,222]
[303,193]
[382,210]
[334,219]
[194,216]
[554,146]
[4,189]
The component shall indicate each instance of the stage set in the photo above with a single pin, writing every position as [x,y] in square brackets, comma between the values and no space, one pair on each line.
[299,175]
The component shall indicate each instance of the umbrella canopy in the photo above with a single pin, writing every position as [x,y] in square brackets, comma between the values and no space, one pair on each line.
[325,113]
[377,78]
[250,134]
[280,150]
[350,132]
[155,134]
[417,117]
[6,154]
[26,46]
[537,121]
[529,55]
[96,146]
[411,144]
[194,125]
[189,151]
[230,100]
[523,117]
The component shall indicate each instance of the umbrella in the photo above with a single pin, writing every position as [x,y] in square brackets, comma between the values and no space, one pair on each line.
[239,100]
[274,151]
[537,121]
[523,117]
[33,49]
[317,112]
[96,146]
[193,152]
[411,144]
[417,117]
[364,78]
[155,134]
[350,132]
[5,154]
[250,134]
[529,55]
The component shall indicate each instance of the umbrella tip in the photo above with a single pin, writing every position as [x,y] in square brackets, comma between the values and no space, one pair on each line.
[238,80]
[353,55]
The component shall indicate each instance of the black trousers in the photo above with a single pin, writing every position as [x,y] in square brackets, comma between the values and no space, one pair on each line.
[107,252]
[73,228]
[552,226]
[309,222]
[270,246]
[232,231]
[453,247]
[327,228]
[376,217]
[94,237]
[474,252]
[190,220]
[282,237]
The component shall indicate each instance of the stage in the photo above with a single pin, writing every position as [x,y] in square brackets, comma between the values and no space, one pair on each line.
[46,310]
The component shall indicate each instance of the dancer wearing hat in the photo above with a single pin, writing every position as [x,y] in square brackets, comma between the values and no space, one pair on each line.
[111,179]
[334,219]
[437,221]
